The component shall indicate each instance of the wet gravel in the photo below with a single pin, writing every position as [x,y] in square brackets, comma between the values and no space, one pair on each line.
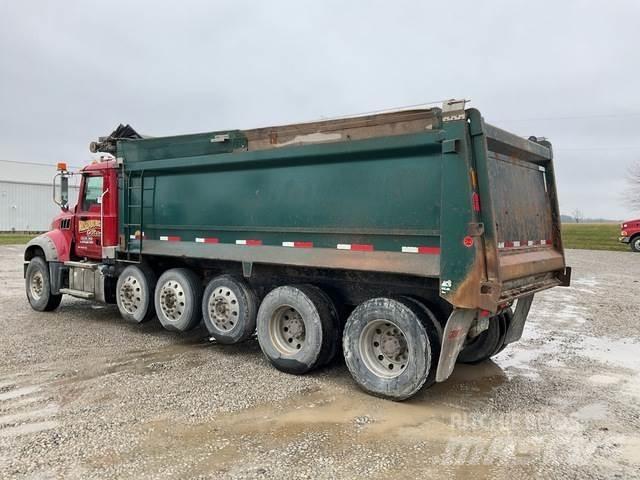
[85,395]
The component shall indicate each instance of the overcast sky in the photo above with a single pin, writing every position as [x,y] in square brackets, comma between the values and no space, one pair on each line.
[568,70]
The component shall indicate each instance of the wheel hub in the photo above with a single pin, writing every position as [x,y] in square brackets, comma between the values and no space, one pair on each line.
[131,295]
[287,330]
[223,308]
[172,300]
[37,285]
[384,348]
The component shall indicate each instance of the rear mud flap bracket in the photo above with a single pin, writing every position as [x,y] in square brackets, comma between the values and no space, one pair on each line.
[455,333]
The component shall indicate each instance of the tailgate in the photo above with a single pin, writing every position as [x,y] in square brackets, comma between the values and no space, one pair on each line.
[527,245]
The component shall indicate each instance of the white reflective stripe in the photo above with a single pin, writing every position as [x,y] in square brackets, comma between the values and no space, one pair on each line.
[132,237]
[241,242]
[199,240]
[516,243]
[500,244]
[166,239]
[543,242]
[288,244]
[343,246]
[530,242]
[410,249]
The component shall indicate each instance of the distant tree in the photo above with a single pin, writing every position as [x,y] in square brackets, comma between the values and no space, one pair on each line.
[577,215]
[633,192]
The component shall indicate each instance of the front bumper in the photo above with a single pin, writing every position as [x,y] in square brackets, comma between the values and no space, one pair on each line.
[624,239]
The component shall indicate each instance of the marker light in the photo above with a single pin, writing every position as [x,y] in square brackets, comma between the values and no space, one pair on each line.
[62,166]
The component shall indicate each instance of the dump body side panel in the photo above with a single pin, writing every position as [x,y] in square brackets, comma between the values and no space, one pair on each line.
[370,204]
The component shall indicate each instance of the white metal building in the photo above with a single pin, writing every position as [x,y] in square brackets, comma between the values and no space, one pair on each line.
[26,196]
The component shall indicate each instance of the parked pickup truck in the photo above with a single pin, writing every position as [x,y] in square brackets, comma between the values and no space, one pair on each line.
[630,233]
[410,239]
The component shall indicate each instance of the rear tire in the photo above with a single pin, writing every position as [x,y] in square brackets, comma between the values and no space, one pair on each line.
[390,347]
[178,299]
[485,345]
[229,309]
[297,328]
[134,293]
[38,286]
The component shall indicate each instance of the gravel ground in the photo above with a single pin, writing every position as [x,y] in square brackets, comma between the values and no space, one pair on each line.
[85,395]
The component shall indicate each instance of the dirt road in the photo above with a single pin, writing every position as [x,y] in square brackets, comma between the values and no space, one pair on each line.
[85,395]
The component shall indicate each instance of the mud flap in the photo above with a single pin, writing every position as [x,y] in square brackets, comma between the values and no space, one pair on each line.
[455,333]
[516,326]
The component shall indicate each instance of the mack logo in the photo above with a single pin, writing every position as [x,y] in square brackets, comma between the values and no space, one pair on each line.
[445,286]
[89,227]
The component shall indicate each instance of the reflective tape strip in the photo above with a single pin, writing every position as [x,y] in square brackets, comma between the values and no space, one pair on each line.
[298,244]
[516,243]
[422,249]
[500,244]
[357,247]
[249,242]
[530,242]
[206,240]
[169,238]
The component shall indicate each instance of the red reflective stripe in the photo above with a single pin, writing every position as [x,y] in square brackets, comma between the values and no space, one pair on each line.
[361,247]
[253,242]
[508,244]
[476,201]
[429,250]
[303,244]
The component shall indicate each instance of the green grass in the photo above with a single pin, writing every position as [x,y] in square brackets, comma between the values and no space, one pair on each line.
[16,238]
[593,236]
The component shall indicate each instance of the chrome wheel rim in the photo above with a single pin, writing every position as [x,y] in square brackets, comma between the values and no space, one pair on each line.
[172,300]
[636,244]
[287,330]
[223,308]
[36,285]
[384,349]
[131,295]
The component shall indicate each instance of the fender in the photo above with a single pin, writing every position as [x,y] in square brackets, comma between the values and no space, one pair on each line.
[53,244]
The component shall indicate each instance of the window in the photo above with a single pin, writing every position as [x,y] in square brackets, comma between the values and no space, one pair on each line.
[92,191]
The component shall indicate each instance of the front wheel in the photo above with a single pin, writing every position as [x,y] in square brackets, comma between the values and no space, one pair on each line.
[391,347]
[38,286]
[635,244]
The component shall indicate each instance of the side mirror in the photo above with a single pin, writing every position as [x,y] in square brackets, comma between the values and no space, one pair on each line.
[61,193]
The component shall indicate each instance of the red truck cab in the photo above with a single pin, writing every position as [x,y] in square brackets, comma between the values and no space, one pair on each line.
[630,233]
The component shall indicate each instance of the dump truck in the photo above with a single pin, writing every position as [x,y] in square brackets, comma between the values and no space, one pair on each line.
[407,240]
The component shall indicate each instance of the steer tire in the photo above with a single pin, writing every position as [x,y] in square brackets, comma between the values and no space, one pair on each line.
[635,244]
[229,309]
[297,328]
[484,345]
[38,286]
[178,299]
[134,293]
[395,369]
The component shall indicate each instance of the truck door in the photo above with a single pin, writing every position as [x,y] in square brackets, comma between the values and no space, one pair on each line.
[88,222]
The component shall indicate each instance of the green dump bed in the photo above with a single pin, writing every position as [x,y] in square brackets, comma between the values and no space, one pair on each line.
[425,193]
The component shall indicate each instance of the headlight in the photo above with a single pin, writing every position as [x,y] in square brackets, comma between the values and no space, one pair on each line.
[624,234]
